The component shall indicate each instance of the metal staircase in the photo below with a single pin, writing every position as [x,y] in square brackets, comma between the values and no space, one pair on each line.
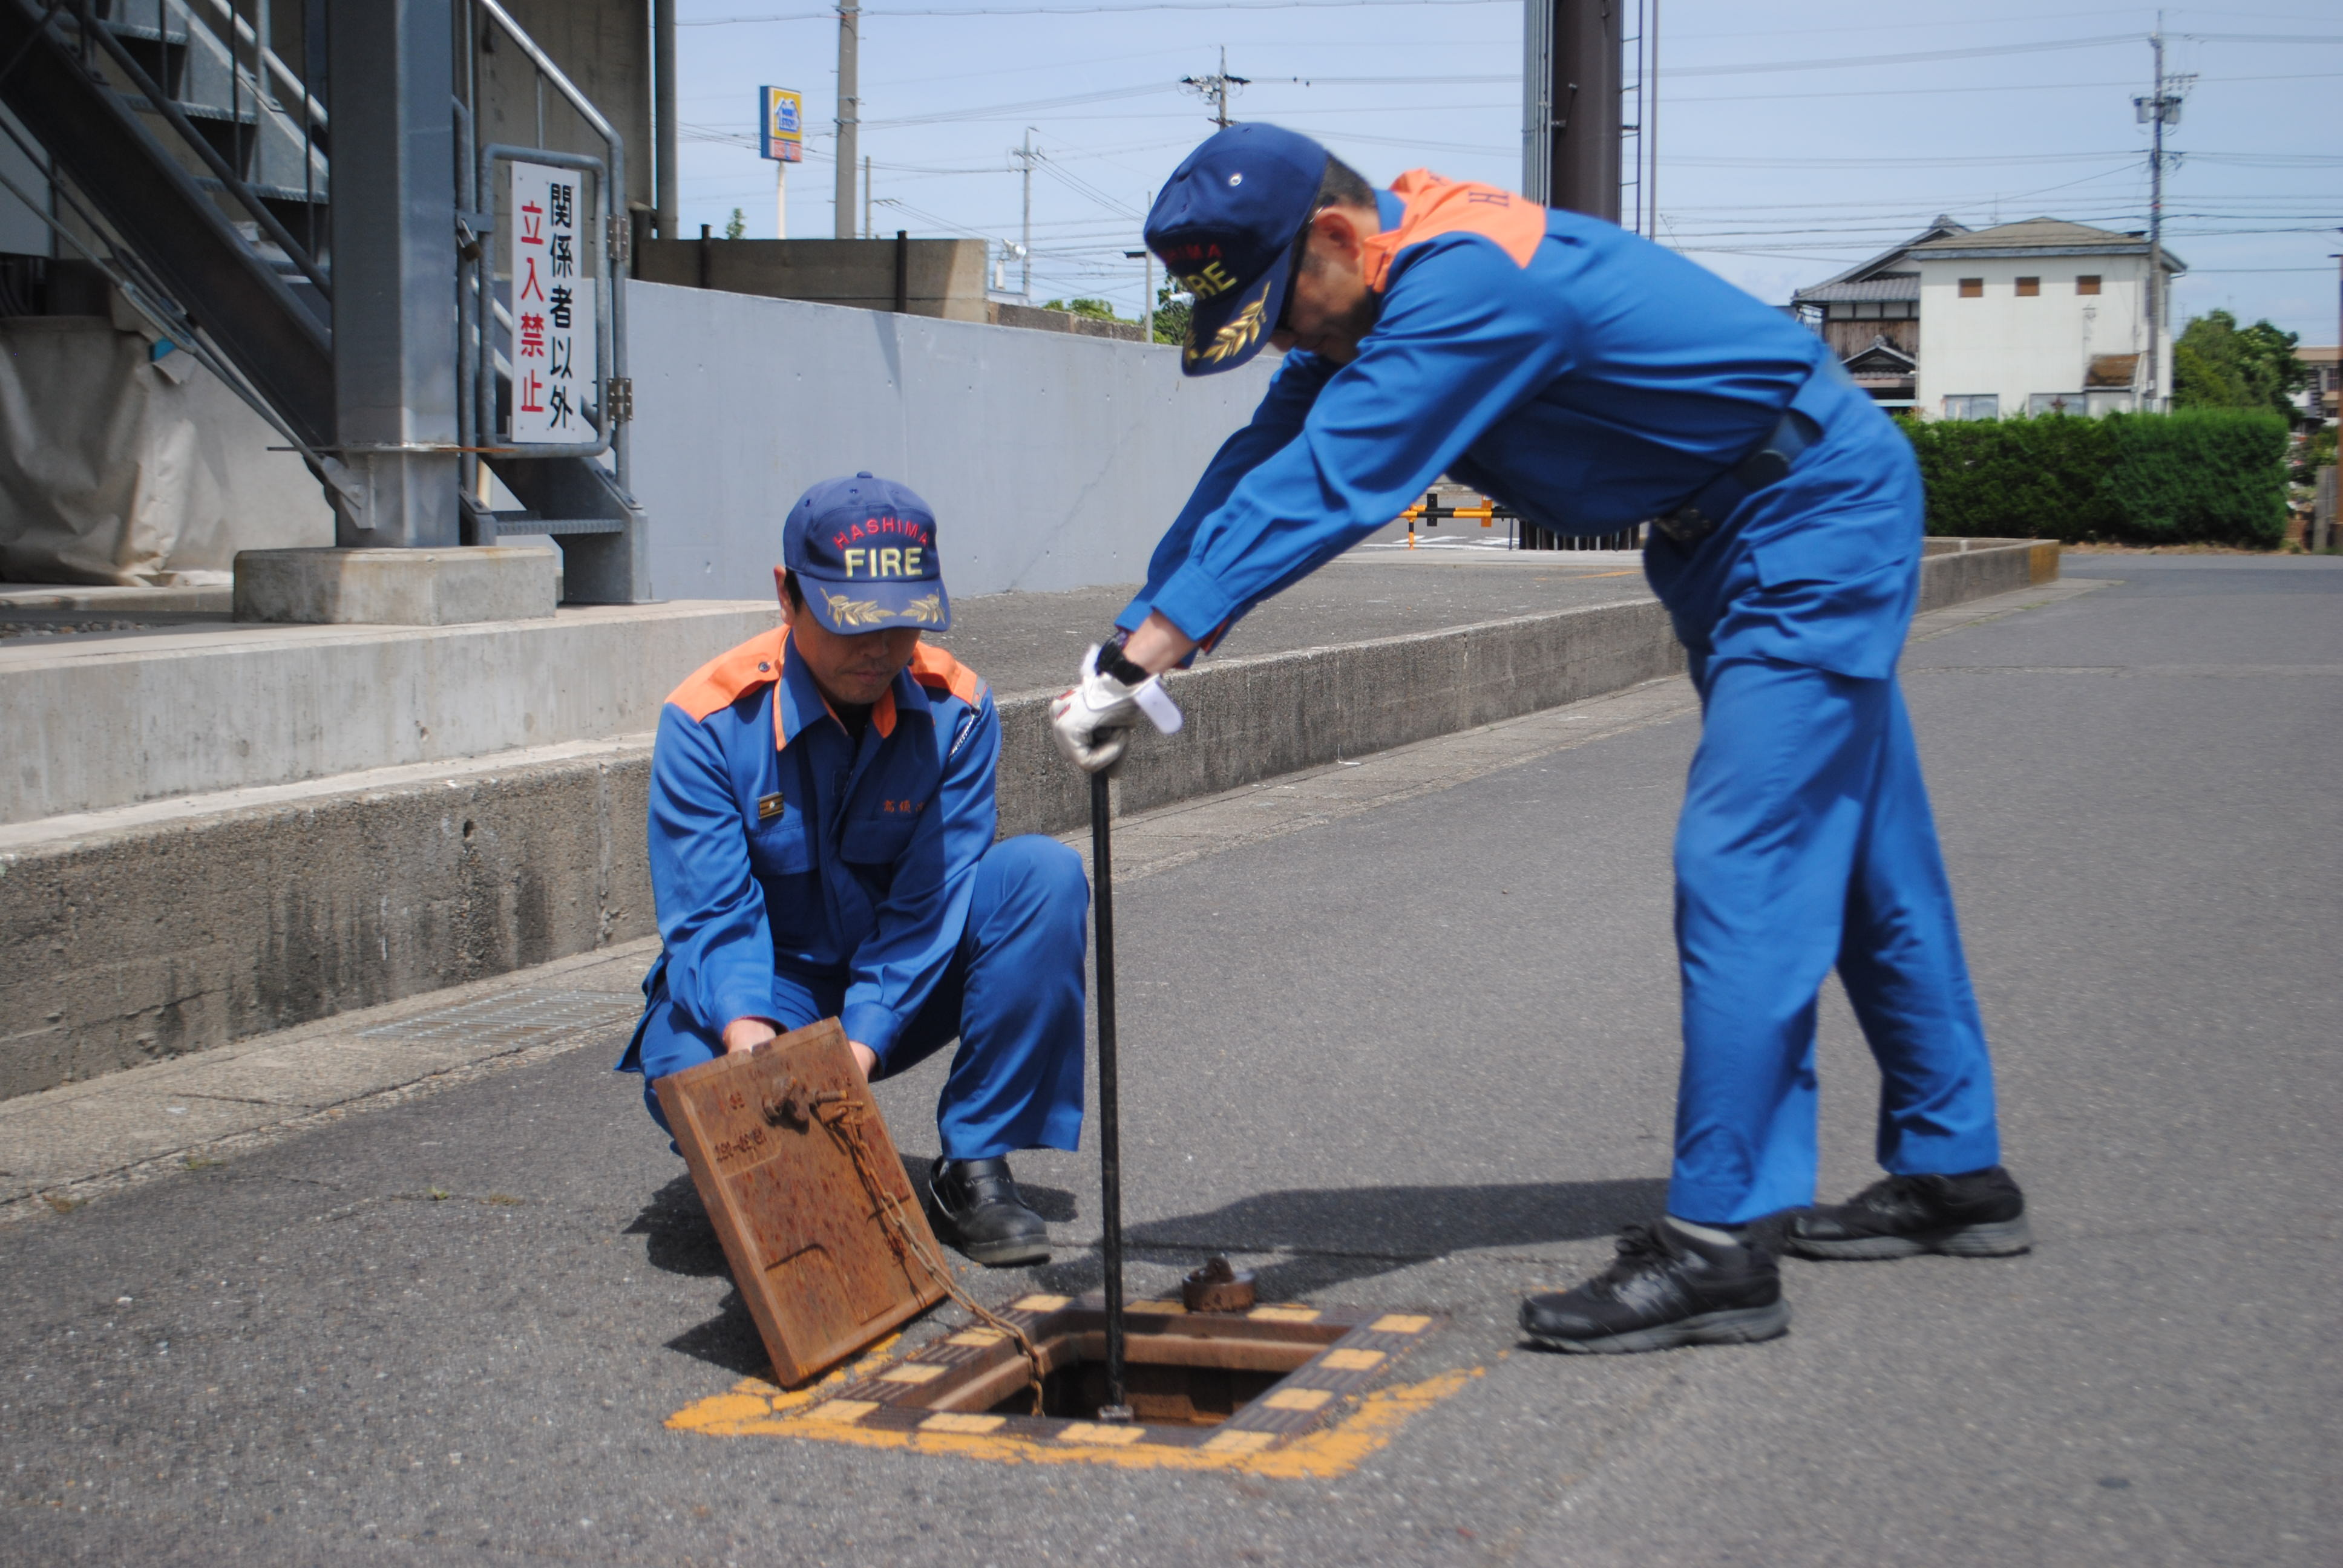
[192,165]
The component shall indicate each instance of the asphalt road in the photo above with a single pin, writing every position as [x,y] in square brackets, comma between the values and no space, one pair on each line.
[1421,1057]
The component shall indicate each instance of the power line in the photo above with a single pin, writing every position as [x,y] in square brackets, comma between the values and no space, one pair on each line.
[1094,10]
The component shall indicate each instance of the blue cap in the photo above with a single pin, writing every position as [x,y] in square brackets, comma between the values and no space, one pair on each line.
[864,552]
[1228,226]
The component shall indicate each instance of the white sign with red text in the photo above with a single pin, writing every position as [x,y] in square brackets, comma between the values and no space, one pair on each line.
[553,364]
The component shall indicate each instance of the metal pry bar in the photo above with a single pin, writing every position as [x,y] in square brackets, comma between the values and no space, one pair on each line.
[1117,1407]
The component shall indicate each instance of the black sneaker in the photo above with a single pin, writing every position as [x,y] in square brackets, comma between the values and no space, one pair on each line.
[974,1205]
[1665,1288]
[1979,1215]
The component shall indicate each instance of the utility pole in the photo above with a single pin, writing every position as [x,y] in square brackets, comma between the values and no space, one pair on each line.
[1214,89]
[2160,108]
[868,231]
[1146,260]
[850,115]
[1570,97]
[1649,137]
[667,192]
[1027,155]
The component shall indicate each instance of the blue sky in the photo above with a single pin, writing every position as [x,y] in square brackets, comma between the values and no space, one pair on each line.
[1793,138]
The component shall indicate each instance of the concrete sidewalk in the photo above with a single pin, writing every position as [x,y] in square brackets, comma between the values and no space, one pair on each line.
[64,1146]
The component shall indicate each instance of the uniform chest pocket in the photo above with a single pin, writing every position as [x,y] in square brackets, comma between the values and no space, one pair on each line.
[879,838]
[779,848]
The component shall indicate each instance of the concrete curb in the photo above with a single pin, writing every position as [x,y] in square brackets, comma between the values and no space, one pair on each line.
[135,935]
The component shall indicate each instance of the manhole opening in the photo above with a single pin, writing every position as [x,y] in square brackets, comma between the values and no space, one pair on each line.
[1242,1381]
[1169,1378]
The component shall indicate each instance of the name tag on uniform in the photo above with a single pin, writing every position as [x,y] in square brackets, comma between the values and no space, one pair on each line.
[769,807]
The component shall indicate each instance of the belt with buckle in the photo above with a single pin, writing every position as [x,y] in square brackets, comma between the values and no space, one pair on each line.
[1714,502]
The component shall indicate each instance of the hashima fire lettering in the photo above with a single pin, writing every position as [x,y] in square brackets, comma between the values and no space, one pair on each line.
[916,532]
[888,563]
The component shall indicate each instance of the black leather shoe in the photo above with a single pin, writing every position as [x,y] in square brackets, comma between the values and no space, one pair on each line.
[1664,1290]
[1979,1215]
[974,1205]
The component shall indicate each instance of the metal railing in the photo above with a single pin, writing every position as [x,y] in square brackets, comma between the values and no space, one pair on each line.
[483,324]
[231,180]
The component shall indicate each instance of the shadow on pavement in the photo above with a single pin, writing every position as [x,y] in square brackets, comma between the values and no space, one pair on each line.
[1333,1236]
[1336,1235]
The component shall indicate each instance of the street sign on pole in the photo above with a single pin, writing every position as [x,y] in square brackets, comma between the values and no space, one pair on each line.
[780,137]
[556,366]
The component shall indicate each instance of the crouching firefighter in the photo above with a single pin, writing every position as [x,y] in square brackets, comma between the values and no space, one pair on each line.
[821,845]
[1593,380]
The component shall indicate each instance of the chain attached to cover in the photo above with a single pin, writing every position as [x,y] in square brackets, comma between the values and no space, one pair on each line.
[842,1116]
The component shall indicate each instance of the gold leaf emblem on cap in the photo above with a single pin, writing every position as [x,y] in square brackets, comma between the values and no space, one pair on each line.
[848,611]
[845,611]
[1232,339]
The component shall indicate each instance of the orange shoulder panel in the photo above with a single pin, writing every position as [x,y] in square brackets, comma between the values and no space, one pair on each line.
[721,681]
[933,667]
[1435,206]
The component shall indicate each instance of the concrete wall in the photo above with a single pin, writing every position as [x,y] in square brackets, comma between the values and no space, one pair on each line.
[944,278]
[1052,460]
[192,712]
[163,929]
[1001,313]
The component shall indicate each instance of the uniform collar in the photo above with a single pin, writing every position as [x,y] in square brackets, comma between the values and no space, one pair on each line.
[798,702]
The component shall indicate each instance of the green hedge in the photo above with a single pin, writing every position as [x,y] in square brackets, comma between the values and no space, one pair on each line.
[2213,475]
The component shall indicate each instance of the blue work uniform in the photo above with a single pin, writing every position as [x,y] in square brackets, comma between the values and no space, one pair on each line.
[1591,381]
[804,872]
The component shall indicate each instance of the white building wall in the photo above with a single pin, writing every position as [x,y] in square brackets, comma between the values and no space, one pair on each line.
[2014,348]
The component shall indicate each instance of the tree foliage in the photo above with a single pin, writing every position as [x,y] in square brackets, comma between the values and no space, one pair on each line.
[1096,309]
[1173,306]
[736,226]
[2216,364]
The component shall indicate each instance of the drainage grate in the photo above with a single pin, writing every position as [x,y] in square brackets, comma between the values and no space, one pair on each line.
[515,1019]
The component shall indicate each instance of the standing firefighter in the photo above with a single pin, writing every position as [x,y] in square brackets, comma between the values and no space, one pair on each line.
[1592,381]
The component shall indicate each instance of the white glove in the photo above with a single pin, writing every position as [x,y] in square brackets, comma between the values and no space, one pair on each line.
[1089,722]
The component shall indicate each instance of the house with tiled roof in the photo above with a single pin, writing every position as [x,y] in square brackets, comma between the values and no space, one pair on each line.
[2037,316]
[1870,316]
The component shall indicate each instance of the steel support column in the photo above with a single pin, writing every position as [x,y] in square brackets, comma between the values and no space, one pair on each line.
[392,75]
[1570,139]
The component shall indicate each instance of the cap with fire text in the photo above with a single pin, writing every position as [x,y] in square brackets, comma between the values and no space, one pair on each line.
[864,552]
[1229,226]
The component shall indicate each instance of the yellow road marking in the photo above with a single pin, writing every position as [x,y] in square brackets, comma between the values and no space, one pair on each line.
[1400,1323]
[1039,1303]
[912,1371]
[1353,1361]
[977,1337]
[1284,1314]
[1297,1399]
[841,1411]
[1336,1450]
[1115,1436]
[950,1421]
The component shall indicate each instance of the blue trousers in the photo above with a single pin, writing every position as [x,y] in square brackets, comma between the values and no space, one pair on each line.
[1012,995]
[1806,842]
